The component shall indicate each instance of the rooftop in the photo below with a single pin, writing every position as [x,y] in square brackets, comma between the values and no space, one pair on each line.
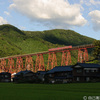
[5,73]
[60,69]
[42,72]
[88,65]
[24,72]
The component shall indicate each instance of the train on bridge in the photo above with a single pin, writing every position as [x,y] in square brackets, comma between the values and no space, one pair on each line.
[21,62]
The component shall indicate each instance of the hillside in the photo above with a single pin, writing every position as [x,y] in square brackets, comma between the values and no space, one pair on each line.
[14,41]
[8,37]
[62,37]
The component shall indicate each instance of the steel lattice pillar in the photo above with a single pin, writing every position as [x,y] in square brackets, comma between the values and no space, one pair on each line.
[11,65]
[82,55]
[39,66]
[19,64]
[52,61]
[3,65]
[66,58]
[29,63]
[85,54]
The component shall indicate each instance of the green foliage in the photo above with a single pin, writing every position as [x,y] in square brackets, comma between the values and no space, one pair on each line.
[96,52]
[14,41]
[9,35]
[95,62]
[8,28]
[62,37]
[8,48]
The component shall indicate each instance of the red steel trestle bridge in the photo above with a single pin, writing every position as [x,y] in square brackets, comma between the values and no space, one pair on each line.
[15,63]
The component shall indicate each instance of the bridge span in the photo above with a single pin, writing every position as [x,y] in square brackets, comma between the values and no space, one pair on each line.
[21,62]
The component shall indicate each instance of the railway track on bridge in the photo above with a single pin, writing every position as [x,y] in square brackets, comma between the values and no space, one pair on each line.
[46,52]
[8,63]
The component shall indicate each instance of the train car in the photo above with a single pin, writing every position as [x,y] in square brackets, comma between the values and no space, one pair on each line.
[60,48]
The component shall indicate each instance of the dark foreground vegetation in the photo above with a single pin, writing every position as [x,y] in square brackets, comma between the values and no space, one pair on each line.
[75,91]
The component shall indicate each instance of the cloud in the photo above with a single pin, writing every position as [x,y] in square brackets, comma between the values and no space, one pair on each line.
[7,13]
[2,21]
[96,2]
[55,13]
[95,18]
[90,2]
[86,2]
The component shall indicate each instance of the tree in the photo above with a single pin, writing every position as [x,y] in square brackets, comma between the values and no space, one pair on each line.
[96,51]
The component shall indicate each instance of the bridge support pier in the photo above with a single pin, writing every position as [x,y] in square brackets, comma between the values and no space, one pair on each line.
[39,66]
[11,65]
[66,58]
[82,55]
[19,64]
[3,65]
[52,61]
[29,63]
[15,63]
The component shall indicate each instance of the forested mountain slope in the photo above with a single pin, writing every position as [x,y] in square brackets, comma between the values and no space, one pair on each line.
[14,41]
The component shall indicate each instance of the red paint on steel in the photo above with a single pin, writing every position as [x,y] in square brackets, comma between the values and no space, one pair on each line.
[60,48]
[86,55]
[3,65]
[10,64]
[52,60]
[82,55]
[66,58]
[39,66]
[29,63]
[19,64]
[46,52]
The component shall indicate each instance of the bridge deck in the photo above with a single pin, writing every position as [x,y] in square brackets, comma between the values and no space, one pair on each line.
[46,52]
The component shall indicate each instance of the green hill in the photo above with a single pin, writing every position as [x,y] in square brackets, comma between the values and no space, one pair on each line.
[14,41]
[62,37]
[8,36]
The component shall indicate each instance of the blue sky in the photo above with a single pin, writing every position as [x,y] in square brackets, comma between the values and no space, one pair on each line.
[82,16]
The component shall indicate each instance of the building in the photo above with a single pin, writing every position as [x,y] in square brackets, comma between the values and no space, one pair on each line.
[86,72]
[25,76]
[41,75]
[5,77]
[60,74]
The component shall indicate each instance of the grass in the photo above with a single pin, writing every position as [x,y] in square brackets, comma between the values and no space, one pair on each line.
[74,91]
